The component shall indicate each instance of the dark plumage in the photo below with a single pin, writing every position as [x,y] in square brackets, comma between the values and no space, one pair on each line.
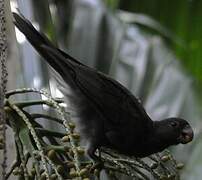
[109,114]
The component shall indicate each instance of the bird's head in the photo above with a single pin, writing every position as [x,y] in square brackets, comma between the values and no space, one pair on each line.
[174,131]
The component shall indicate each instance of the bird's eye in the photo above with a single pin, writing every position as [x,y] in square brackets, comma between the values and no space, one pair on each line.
[173,124]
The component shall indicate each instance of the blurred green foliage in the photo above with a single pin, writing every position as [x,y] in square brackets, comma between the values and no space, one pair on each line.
[182,17]
[113,4]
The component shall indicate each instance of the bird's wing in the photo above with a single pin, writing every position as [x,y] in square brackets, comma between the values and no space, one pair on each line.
[114,102]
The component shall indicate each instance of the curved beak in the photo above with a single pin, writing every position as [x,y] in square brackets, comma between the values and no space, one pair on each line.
[187,135]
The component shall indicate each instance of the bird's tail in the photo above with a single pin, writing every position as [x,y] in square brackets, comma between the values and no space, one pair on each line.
[59,60]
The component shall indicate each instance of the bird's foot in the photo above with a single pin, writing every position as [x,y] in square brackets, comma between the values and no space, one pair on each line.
[97,165]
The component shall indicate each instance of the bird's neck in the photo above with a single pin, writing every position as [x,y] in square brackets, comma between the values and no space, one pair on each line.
[158,141]
[154,142]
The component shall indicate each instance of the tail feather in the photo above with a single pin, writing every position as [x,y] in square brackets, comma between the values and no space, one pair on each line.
[34,37]
[59,59]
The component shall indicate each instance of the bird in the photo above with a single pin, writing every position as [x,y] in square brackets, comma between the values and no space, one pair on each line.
[109,114]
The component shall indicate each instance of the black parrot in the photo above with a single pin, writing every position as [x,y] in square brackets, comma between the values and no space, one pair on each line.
[110,116]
